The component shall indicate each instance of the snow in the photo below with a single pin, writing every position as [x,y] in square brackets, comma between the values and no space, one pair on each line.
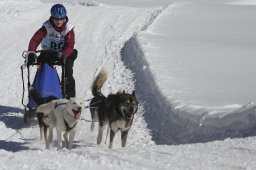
[191,63]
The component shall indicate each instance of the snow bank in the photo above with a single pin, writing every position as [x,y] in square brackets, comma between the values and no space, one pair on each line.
[183,124]
[242,2]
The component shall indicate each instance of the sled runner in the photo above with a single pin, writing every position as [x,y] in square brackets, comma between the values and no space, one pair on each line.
[46,83]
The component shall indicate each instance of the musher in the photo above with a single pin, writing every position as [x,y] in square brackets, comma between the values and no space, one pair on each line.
[57,39]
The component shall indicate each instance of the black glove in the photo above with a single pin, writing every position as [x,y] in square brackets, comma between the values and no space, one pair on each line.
[54,54]
[57,56]
[51,57]
[31,58]
[60,57]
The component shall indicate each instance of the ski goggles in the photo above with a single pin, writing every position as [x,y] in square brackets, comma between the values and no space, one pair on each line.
[59,19]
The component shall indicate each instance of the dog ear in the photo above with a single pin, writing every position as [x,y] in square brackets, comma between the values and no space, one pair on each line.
[133,93]
[120,92]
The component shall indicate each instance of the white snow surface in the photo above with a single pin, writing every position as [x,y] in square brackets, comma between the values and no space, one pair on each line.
[191,63]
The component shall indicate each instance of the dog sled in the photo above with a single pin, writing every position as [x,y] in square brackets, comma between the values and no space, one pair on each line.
[46,82]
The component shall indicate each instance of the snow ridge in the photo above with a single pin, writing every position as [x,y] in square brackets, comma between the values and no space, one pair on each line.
[170,124]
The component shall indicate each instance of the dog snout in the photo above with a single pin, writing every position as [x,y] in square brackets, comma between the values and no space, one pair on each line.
[131,109]
[79,108]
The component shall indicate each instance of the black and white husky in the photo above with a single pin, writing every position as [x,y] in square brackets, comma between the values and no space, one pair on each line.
[115,111]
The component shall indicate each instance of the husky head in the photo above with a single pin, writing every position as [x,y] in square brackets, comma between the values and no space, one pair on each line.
[128,104]
[74,107]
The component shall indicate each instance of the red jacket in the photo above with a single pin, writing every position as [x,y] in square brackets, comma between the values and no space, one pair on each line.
[42,32]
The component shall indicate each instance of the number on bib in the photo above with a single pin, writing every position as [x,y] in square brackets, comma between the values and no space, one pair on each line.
[56,46]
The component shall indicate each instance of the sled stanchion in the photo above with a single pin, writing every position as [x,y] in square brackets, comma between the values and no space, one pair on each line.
[64,78]
[23,87]
[28,78]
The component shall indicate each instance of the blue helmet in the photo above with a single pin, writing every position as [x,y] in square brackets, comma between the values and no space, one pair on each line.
[58,11]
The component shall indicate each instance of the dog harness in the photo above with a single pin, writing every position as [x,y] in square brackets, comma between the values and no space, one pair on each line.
[65,122]
[58,104]
[67,126]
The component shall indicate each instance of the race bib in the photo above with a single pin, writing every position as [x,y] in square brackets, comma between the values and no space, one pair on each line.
[54,40]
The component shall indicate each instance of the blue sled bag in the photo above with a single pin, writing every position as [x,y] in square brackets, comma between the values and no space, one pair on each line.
[47,83]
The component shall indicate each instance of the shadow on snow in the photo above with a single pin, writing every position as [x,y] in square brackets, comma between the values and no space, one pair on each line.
[11,120]
[12,146]
[169,125]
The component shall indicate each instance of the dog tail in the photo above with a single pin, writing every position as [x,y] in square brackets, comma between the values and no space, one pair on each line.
[99,81]
[38,99]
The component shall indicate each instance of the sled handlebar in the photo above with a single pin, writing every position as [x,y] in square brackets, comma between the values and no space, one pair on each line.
[26,53]
[50,60]
[25,56]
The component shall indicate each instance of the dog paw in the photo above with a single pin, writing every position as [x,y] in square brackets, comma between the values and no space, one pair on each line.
[47,146]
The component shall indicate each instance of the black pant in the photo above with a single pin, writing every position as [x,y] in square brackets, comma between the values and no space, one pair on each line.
[69,79]
[50,58]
